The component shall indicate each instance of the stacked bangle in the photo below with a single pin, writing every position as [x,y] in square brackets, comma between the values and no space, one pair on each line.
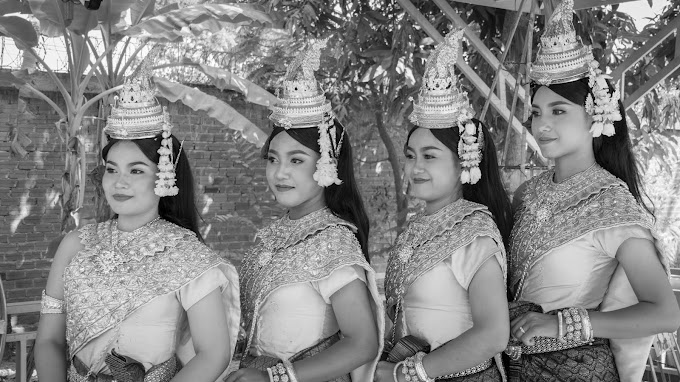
[560,327]
[279,373]
[578,324]
[413,369]
[409,370]
[396,370]
[587,325]
[291,371]
[420,369]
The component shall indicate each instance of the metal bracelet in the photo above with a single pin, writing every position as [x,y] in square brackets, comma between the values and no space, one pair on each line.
[51,305]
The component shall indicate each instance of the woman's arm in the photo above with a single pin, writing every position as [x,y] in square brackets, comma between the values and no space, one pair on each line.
[490,332]
[210,335]
[656,312]
[488,336]
[50,343]
[359,345]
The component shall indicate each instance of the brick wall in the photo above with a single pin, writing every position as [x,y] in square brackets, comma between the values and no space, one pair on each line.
[232,194]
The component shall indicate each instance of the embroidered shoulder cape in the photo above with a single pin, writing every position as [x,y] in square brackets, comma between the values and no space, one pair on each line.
[552,215]
[430,239]
[159,259]
[304,250]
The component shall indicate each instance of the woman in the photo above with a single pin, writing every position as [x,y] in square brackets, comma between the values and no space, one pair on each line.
[445,280]
[139,297]
[586,273]
[309,295]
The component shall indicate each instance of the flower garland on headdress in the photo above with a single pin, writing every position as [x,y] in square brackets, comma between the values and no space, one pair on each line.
[604,108]
[470,147]
[167,177]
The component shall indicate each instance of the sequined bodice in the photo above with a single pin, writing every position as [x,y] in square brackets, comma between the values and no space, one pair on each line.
[116,273]
[430,239]
[553,214]
[293,251]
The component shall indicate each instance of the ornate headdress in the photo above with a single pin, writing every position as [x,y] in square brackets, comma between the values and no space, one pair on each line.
[562,57]
[137,114]
[442,105]
[304,105]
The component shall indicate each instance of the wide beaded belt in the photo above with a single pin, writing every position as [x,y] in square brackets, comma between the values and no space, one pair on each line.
[546,345]
[473,370]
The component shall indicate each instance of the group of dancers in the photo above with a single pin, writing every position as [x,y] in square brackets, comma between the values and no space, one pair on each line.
[565,283]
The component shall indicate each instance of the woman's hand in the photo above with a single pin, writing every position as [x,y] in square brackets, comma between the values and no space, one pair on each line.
[532,324]
[248,375]
[385,373]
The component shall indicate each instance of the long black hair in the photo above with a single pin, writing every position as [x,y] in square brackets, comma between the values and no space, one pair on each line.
[489,190]
[344,199]
[181,208]
[615,153]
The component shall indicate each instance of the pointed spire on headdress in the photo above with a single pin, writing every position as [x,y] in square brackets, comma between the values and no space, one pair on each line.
[441,104]
[561,57]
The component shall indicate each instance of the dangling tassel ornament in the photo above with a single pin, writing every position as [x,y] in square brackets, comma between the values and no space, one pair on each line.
[165,184]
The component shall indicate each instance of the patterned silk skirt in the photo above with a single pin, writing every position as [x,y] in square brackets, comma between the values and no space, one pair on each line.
[588,363]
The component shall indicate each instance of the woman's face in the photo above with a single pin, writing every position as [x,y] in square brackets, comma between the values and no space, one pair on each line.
[561,127]
[129,181]
[432,170]
[290,170]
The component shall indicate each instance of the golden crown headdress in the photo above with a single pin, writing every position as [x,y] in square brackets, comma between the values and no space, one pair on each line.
[304,105]
[562,57]
[137,114]
[442,105]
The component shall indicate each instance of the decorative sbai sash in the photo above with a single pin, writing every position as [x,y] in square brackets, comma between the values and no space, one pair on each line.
[151,262]
[552,215]
[295,251]
[428,240]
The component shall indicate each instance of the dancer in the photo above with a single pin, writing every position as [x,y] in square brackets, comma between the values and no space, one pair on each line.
[311,304]
[587,275]
[445,280]
[139,297]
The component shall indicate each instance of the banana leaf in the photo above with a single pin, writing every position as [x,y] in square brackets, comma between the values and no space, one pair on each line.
[19,29]
[225,80]
[171,23]
[215,108]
